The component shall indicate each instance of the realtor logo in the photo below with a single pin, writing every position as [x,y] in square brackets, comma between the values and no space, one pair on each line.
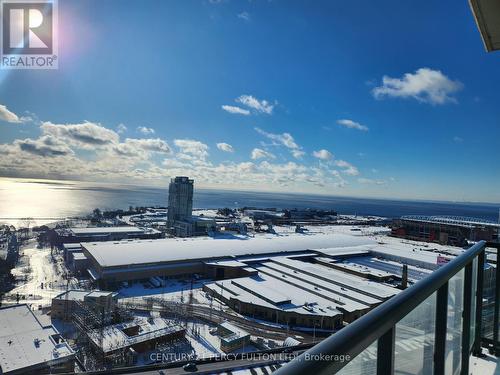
[29,39]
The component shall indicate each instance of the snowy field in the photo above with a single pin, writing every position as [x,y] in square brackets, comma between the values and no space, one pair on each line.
[44,277]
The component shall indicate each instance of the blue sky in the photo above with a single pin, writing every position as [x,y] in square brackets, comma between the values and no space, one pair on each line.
[394,99]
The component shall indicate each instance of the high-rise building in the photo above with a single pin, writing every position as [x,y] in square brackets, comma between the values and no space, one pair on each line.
[180,200]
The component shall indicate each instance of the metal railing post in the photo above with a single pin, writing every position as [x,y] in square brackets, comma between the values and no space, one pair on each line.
[466,315]
[441,327]
[479,304]
[385,352]
[497,304]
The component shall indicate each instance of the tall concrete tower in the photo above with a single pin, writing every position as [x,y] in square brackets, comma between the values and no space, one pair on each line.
[180,199]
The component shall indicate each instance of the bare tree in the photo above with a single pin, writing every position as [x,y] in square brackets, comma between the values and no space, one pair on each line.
[24,225]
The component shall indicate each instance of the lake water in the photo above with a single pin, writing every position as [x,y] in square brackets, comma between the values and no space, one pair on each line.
[46,199]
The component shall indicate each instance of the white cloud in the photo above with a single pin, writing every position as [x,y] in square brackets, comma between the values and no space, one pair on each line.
[226,147]
[150,144]
[236,110]
[352,124]
[253,105]
[323,154]
[458,139]
[86,135]
[192,147]
[258,153]
[261,106]
[9,116]
[244,16]
[121,128]
[348,168]
[284,139]
[298,154]
[56,154]
[144,130]
[128,150]
[425,85]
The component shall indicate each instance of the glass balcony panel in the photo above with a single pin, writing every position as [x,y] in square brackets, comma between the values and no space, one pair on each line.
[473,302]
[454,324]
[414,344]
[364,363]
[488,300]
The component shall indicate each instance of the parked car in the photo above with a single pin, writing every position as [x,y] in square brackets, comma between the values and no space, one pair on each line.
[191,366]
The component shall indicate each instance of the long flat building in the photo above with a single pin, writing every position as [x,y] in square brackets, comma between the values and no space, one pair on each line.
[298,293]
[113,262]
[85,234]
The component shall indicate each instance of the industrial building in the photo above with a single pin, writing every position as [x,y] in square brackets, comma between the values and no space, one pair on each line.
[64,304]
[114,262]
[86,234]
[29,347]
[135,336]
[232,337]
[299,293]
[69,249]
[318,281]
[311,281]
[448,230]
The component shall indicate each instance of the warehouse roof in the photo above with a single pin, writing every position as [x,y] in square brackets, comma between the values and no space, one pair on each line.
[347,281]
[25,342]
[109,254]
[77,231]
[294,299]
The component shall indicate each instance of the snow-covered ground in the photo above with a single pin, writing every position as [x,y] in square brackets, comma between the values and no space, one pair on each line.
[44,277]
[484,366]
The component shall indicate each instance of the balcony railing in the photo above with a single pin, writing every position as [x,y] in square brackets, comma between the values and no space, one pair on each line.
[432,327]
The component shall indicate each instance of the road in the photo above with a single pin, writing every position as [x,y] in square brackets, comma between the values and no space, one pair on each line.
[227,365]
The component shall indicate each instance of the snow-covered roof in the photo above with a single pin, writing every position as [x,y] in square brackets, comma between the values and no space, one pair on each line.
[100,293]
[79,256]
[235,332]
[383,266]
[114,337]
[79,231]
[73,295]
[72,246]
[293,299]
[347,281]
[111,254]
[25,342]
[79,295]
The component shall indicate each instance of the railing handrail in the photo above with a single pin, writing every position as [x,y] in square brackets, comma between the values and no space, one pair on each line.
[357,336]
